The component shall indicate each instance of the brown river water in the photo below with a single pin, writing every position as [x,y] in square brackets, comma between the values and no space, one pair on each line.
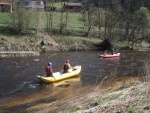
[18,76]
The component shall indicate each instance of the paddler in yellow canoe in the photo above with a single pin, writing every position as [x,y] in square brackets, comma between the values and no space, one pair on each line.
[66,66]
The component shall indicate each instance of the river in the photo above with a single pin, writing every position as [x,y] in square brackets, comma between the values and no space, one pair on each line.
[18,76]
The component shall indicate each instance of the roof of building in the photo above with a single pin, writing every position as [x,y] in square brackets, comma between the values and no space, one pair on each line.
[73,4]
[5,3]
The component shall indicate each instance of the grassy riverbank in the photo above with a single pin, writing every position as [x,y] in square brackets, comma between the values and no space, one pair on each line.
[122,95]
[51,42]
[34,42]
[132,99]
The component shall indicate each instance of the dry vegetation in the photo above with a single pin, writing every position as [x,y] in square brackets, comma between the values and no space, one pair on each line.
[124,95]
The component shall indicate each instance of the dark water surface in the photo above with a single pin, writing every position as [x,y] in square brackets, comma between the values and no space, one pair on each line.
[18,76]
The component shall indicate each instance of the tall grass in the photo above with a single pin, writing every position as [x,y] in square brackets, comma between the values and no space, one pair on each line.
[145,72]
[145,75]
[130,100]
[107,80]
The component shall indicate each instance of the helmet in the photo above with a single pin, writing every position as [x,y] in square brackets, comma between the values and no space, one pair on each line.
[67,61]
[49,64]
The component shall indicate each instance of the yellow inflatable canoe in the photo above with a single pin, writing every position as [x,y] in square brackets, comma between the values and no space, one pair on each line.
[57,76]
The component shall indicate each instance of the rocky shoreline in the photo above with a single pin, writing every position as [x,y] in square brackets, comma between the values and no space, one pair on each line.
[31,46]
[8,54]
[13,50]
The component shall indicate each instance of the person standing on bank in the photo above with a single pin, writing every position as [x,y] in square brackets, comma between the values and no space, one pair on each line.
[49,70]
[66,66]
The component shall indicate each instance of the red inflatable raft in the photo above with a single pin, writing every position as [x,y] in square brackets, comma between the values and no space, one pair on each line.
[110,56]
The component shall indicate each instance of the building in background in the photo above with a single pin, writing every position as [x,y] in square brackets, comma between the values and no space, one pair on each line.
[72,7]
[6,7]
[30,4]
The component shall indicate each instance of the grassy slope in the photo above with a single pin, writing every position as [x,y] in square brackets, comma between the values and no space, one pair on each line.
[5,17]
[133,99]
[73,19]
[72,40]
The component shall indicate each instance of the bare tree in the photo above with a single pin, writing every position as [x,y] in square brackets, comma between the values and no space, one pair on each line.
[88,15]
[61,19]
[37,17]
[66,21]
[49,14]
[99,19]
[64,13]
[140,22]
[20,17]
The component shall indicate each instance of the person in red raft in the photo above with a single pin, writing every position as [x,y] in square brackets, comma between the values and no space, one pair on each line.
[49,70]
[112,52]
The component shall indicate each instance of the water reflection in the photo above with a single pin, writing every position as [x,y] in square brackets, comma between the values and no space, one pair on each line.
[67,82]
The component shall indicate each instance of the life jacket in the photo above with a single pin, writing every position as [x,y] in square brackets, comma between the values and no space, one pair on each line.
[66,67]
[47,69]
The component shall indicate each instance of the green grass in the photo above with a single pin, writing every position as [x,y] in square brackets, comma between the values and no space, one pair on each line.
[73,20]
[132,110]
[72,109]
[5,17]
[69,40]
[122,43]
[58,5]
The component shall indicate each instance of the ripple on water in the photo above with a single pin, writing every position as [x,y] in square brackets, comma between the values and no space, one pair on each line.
[18,75]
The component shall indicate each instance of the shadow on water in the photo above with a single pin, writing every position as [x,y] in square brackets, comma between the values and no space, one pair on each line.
[67,82]
[62,83]
[51,93]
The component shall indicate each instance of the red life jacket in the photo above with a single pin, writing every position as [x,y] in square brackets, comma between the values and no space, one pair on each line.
[47,69]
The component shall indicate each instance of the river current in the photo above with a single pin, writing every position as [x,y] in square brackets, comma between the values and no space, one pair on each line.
[18,76]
